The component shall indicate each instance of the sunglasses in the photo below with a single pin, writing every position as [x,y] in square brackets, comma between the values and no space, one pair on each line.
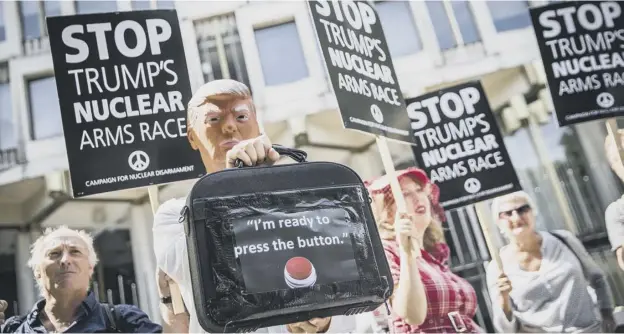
[521,211]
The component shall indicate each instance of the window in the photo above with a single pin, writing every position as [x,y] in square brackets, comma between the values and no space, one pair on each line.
[2,31]
[51,8]
[580,169]
[45,113]
[90,7]
[33,22]
[147,4]
[165,4]
[220,49]
[465,21]
[441,25]
[7,131]
[281,54]
[141,4]
[8,138]
[442,20]
[509,15]
[399,27]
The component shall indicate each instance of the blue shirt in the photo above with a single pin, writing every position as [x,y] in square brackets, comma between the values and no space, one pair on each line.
[90,318]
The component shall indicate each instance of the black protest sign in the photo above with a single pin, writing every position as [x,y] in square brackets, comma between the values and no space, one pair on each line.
[360,68]
[581,47]
[460,146]
[123,87]
[278,251]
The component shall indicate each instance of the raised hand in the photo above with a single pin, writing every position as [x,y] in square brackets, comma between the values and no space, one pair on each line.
[252,152]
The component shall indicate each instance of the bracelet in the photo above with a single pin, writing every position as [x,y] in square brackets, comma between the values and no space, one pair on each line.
[166,300]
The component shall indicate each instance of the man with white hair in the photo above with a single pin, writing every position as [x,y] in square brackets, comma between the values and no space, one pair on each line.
[223,126]
[62,261]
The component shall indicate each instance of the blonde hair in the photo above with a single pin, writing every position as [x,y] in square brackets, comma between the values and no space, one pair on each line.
[37,251]
[613,155]
[384,211]
[215,90]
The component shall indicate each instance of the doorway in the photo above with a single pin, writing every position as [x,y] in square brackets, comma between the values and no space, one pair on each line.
[114,279]
[8,274]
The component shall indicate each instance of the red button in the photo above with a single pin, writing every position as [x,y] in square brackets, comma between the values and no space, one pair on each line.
[299,268]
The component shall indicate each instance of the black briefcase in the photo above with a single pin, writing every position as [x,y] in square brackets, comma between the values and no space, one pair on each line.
[277,245]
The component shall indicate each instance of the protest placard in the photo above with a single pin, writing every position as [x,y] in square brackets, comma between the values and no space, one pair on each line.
[460,146]
[581,47]
[360,68]
[123,85]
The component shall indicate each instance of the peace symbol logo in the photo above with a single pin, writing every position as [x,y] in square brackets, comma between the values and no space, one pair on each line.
[376,112]
[605,100]
[472,185]
[138,160]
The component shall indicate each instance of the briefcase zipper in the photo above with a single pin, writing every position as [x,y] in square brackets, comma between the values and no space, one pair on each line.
[359,192]
[183,213]
[184,219]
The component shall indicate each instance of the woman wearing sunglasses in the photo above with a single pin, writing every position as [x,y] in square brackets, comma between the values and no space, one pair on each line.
[428,297]
[546,276]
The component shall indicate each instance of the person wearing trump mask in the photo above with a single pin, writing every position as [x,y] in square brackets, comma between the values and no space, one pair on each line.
[223,127]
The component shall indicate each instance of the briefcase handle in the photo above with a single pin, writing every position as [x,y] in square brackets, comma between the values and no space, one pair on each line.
[293,153]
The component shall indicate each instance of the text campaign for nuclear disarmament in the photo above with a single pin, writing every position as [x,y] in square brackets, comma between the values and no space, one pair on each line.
[459,145]
[582,48]
[360,67]
[281,250]
[123,86]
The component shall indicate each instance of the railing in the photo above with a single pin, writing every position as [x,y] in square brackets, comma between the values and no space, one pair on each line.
[220,49]
[114,279]
[118,294]
[8,158]
[606,260]
[468,255]
[466,53]
[36,46]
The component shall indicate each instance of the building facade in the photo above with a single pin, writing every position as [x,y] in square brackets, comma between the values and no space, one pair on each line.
[271,46]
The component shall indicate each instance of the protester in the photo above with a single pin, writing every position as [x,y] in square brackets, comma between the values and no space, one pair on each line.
[223,127]
[428,297]
[62,261]
[546,276]
[614,215]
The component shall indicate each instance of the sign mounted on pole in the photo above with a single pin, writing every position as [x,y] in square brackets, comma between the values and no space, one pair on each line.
[360,68]
[123,85]
[460,146]
[581,47]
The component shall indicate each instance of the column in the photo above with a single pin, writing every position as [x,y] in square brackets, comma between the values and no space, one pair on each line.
[191,51]
[144,260]
[367,164]
[27,291]
[487,30]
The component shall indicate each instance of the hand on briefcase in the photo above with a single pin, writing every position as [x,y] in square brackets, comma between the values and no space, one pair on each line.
[282,244]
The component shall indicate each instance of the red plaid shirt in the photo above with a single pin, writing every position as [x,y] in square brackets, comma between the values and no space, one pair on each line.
[446,293]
